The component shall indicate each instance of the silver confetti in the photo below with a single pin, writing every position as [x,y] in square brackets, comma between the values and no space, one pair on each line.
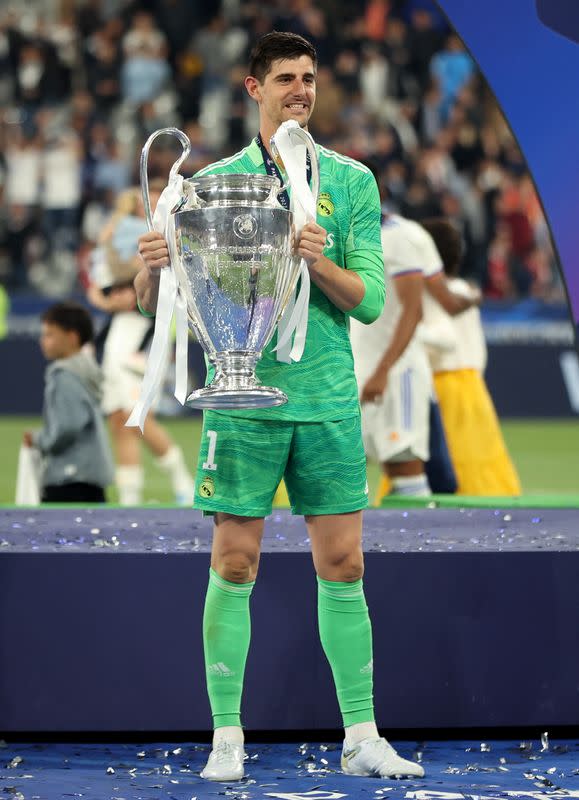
[110,771]
[14,763]
[544,742]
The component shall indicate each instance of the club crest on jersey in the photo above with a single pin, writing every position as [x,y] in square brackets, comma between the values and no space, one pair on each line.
[325,205]
[207,487]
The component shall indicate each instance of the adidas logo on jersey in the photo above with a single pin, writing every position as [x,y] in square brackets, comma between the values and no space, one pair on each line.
[368,669]
[221,670]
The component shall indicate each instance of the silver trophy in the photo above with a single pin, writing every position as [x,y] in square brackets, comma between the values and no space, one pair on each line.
[236,268]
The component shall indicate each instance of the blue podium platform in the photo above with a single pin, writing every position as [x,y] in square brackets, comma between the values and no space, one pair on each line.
[474,610]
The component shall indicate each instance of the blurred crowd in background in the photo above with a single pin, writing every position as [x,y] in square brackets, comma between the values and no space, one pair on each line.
[84,82]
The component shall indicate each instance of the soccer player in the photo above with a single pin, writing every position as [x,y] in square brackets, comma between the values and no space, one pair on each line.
[314,441]
[392,368]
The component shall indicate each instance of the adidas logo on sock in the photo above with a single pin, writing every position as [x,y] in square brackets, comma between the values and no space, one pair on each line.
[220,669]
[368,669]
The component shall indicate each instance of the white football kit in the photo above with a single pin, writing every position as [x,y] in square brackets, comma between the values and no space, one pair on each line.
[396,427]
[122,384]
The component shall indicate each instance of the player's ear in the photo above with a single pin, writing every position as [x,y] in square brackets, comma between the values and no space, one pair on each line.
[252,87]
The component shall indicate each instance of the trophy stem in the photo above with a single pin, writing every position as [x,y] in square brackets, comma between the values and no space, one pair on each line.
[236,385]
[238,367]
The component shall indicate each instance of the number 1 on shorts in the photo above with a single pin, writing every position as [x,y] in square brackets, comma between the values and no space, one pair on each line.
[210,463]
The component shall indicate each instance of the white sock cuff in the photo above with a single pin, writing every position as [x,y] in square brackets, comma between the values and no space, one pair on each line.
[132,476]
[172,458]
[411,484]
[232,734]
[360,730]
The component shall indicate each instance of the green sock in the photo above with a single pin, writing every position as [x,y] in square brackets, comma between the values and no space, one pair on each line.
[226,635]
[346,636]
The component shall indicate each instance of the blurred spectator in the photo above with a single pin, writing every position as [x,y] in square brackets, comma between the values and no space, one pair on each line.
[402,81]
[347,71]
[373,78]
[61,162]
[218,47]
[452,68]
[506,276]
[419,201]
[330,101]
[376,18]
[103,73]
[145,71]
[423,42]
[22,197]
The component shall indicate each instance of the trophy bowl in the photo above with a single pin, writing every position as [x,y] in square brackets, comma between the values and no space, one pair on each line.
[237,271]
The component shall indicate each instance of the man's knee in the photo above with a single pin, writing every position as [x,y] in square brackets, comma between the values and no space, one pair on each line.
[343,567]
[238,567]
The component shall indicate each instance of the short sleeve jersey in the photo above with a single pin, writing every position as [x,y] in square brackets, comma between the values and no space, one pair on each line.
[322,385]
[408,248]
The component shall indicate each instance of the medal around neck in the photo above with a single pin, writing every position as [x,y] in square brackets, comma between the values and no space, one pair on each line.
[231,251]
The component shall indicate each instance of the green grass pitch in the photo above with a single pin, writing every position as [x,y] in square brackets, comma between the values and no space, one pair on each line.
[546,453]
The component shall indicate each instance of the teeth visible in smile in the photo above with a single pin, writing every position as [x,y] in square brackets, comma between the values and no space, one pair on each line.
[296,105]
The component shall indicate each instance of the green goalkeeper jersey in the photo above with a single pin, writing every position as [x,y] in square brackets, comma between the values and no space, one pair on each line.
[322,385]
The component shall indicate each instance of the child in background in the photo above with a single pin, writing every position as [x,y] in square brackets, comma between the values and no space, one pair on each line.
[73,441]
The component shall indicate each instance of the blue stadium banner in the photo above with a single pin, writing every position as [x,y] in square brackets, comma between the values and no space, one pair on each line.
[528,52]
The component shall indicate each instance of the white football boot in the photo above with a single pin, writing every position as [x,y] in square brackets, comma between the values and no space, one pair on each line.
[225,763]
[377,758]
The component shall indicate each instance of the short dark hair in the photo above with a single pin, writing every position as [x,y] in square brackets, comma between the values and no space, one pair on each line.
[448,241]
[275,46]
[71,317]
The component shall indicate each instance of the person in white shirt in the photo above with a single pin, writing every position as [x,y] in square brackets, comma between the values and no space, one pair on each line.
[458,355]
[391,366]
[115,263]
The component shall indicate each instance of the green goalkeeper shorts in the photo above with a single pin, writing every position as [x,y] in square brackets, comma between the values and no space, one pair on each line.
[242,461]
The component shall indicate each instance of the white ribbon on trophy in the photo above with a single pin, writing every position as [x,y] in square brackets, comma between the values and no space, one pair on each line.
[293,143]
[170,301]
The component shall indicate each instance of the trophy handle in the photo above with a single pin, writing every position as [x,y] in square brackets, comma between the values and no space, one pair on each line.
[185,143]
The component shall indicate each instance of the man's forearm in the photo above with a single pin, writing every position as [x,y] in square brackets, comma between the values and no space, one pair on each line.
[452,302]
[459,303]
[345,289]
[147,289]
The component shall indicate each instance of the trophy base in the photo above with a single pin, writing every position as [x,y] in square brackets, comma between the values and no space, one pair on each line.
[253,397]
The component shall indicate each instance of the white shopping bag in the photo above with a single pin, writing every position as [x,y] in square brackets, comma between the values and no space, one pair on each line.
[28,476]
